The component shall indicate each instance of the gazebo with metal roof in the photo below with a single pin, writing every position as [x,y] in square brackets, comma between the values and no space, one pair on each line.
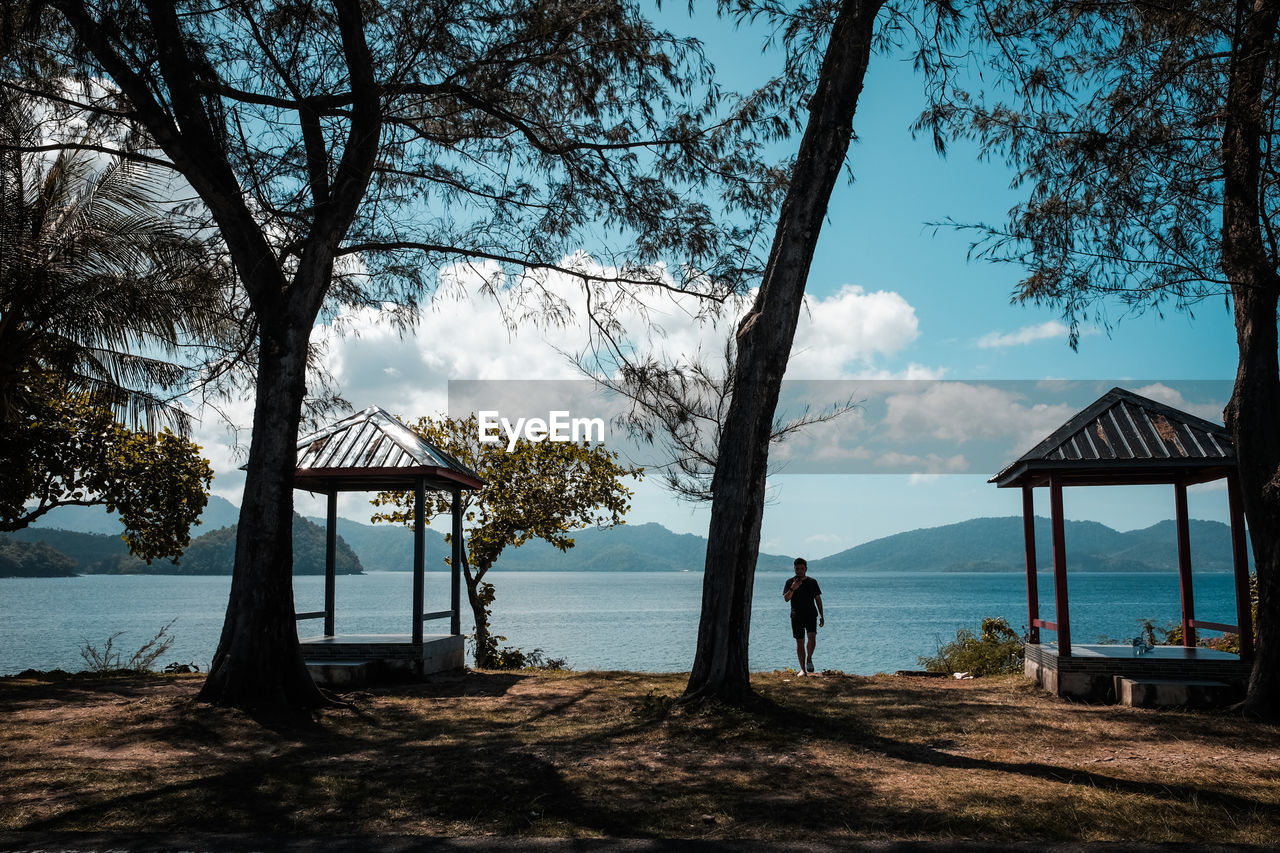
[373,451]
[1126,439]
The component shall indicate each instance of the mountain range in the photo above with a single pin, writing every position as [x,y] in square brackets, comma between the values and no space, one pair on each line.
[996,545]
[90,537]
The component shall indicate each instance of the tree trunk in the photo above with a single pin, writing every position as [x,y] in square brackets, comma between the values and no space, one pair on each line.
[480,614]
[764,338]
[1253,414]
[1254,418]
[258,665]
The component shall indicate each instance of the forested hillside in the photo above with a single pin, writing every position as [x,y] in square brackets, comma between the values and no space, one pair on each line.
[210,554]
[996,545]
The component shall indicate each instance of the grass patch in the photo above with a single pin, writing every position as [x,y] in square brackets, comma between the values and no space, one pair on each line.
[569,754]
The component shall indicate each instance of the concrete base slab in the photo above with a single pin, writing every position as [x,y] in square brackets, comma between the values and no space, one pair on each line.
[351,661]
[1091,673]
[338,673]
[1173,693]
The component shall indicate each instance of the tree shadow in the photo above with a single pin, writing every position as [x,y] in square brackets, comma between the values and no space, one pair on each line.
[503,766]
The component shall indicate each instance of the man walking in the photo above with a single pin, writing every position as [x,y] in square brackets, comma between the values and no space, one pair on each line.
[806,612]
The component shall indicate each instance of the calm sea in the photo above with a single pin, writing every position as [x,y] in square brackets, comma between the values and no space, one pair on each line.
[644,621]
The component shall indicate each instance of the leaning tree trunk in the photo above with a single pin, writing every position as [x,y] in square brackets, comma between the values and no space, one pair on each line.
[258,664]
[479,615]
[1253,414]
[720,669]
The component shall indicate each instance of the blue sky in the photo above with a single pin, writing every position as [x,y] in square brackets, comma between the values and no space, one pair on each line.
[892,299]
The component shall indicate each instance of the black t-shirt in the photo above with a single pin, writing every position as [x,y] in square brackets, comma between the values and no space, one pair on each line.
[802,600]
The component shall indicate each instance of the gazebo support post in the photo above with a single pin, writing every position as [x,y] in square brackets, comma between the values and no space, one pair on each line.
[1240,562]
[1062,617]
[330,562]
[455,568]
[1184,565]
[1029,534]
[419,557]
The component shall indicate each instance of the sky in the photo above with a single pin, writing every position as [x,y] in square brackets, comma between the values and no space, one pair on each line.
[890,297]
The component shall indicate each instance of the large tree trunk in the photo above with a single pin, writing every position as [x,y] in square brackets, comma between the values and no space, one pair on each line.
[1254,418]
[258,664]
[1253,414]
[720,669]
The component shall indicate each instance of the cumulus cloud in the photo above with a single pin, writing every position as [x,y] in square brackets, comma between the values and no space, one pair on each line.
[1162,393]
[958,412]
[472,330]
[842,335]
[482,325]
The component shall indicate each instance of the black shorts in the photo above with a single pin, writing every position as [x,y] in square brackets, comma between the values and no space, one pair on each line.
[802,622]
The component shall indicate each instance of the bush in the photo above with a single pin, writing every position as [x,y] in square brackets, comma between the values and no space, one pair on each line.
[509,657]
[997,651]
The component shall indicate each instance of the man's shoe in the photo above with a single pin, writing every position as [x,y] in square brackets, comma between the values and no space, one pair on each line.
[809,665]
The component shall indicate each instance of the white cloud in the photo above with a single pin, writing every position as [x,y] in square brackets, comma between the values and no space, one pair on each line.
[841,336]
[1025,335]
[479,326]
[1161,393]
[929,463]
[959,411]
[472,331]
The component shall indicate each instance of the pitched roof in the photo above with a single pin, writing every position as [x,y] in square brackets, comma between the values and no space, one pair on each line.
[373,450]
[1126,438]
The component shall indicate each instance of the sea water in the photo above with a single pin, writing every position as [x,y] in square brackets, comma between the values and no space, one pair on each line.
[644,621]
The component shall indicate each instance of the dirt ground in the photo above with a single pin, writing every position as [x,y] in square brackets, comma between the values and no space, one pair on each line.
[602,754]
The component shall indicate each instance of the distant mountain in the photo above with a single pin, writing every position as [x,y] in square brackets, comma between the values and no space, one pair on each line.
[81,548]
[389,547]
[625,548]
[628,547]
[210,554]
[977,545]
[33,560]
[218,512]
[996,544]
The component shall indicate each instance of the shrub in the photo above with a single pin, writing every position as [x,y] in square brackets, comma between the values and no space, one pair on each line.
[1171,633]
[511,657]
[107,659]
[998,650]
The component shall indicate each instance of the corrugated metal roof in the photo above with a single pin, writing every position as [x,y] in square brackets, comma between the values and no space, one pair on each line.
[1124,437]
[372,448]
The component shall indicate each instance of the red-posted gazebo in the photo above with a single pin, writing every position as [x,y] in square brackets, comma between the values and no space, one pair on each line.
[1125,439]
[372,451]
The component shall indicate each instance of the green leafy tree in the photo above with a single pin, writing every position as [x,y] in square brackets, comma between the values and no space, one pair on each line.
[69,450]
[1145,137]
[93,277]
[346,151]
[539,490]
